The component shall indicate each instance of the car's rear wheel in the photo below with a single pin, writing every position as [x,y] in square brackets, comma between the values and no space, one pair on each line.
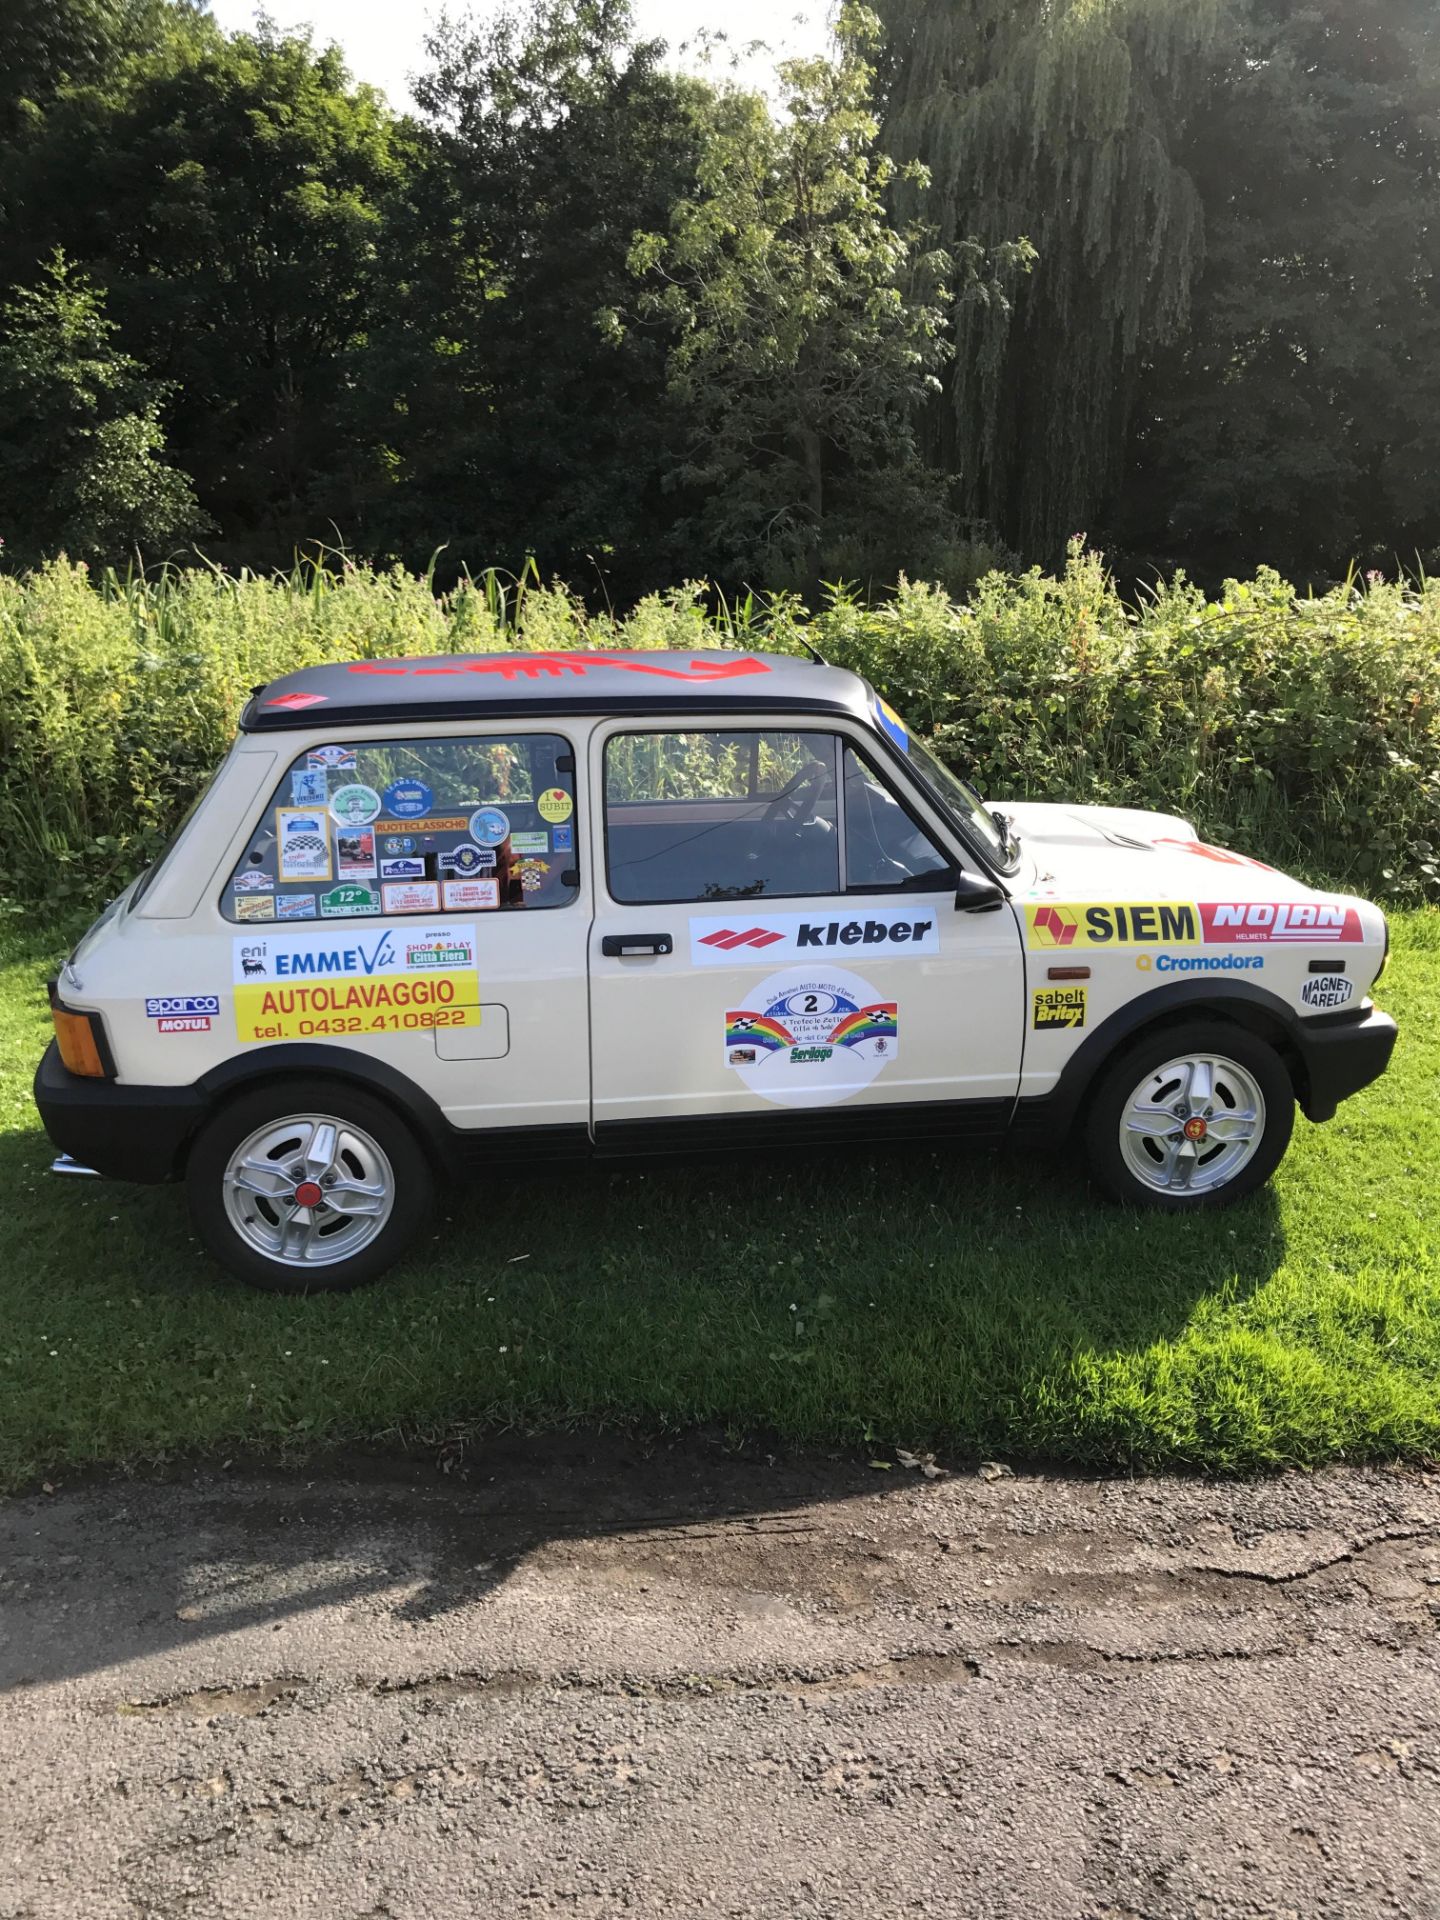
[1190,1117]
[308,1190]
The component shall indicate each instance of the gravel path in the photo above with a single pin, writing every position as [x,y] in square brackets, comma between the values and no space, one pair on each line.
[583,1677]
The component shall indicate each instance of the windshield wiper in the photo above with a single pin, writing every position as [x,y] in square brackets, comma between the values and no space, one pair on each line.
[1009,832]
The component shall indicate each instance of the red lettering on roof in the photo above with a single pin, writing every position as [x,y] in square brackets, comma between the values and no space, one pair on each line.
[700,671]
[296,700]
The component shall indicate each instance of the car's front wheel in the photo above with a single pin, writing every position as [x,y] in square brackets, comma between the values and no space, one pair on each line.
[308,1190]
[1190,1117]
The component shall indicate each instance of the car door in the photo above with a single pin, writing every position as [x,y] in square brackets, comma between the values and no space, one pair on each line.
[777,949]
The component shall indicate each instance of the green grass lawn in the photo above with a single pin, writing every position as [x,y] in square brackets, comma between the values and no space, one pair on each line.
[931,1299]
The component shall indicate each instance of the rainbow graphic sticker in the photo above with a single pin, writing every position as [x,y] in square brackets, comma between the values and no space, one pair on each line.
[756,1030]
[880,1022]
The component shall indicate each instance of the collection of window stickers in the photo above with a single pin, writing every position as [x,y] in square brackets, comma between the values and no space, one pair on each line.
[343,849]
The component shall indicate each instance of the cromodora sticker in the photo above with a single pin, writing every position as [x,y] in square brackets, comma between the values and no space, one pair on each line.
[810,1038]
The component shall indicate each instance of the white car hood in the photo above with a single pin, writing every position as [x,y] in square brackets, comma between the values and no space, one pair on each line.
[1126,853]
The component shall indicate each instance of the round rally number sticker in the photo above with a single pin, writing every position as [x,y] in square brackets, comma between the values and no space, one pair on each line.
[555,804]
[809,1039]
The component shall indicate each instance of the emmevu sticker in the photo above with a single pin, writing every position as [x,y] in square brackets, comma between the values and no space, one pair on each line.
[1056,1008]
[737,939]
[808,1039]
[290,986]
[302,836]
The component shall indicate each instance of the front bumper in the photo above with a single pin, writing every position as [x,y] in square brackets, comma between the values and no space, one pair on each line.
[1339,1058]
[123,1132]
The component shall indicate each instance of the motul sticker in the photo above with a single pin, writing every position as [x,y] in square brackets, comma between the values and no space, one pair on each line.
[739,939]
[809,1038]
[1293,920]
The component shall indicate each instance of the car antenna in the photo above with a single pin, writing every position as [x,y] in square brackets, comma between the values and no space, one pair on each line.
[814,652]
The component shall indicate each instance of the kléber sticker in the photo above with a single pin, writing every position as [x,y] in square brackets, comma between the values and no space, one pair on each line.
[808,1039]
[737,939]
[302,837]
[295,986]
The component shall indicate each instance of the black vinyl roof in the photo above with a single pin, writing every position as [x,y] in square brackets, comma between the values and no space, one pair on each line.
[462,686]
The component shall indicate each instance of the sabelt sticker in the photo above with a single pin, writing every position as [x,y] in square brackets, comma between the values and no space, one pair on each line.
[555,804]
[1326,991]
[354,806]
[808,1039]
[739,940]
[489,827]
[294,986]
[302,836]
[471,895]
[335,759]
[1056,1009]
[1292,921]
[1170,923]
[410,896]
[255,906]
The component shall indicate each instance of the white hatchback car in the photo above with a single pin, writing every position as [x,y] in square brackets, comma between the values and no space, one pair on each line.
[520,906]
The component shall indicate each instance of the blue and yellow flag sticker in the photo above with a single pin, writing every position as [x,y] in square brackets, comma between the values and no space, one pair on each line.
[892,724]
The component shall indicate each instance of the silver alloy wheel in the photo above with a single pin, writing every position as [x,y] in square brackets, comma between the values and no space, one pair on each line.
[309,1190]
[1192,1125]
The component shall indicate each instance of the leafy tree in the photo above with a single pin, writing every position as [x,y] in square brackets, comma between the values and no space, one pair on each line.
[550,137]
[1298,420]
[81,465]
[806,329]
[1056,119]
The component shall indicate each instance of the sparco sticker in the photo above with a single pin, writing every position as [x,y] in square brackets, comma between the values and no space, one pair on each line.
[738,940]
[292,986]
[808,1039]
[182,1006]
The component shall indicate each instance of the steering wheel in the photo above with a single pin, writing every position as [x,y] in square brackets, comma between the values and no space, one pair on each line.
[800,797]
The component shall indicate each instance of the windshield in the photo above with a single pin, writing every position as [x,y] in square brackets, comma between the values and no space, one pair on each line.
[954,795]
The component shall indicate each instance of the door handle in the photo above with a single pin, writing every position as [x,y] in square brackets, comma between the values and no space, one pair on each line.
[619,946]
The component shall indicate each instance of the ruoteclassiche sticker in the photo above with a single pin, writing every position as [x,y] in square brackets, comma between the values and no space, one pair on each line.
[432,824]
[1057,1009]
[302,836]
[738,939]
[329,982]
[809,1038]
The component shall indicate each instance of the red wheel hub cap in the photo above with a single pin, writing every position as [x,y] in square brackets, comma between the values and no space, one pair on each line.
[1196,1128]
[308,1194]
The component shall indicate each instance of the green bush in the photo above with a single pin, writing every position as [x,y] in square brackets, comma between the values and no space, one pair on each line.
[1304,731]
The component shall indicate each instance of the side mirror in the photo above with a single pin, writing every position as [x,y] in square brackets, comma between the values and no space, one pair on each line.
[974,894]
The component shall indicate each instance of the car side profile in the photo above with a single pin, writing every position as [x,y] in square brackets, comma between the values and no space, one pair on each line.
[513,907]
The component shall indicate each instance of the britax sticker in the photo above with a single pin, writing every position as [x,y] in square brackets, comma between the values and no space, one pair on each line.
[297,986]
[1297,921]
[178,1006]
[737,939]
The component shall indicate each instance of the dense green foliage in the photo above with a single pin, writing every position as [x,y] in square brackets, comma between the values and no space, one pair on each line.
[1172,261]
[1303,730]
[944,1300]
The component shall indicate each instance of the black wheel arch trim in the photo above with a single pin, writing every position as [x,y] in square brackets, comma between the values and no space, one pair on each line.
[1310,1052]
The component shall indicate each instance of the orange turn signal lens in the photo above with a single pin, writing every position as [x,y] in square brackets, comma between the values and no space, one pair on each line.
[79,1046]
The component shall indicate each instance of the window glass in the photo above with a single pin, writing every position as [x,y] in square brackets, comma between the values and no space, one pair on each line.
[395,827]
[884,847]
[732,815]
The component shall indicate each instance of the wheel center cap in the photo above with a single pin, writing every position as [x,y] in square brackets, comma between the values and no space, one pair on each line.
[1196,1128]
[309,1194]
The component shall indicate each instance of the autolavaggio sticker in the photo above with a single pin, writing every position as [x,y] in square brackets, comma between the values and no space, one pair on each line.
[317,985]
[808,1039]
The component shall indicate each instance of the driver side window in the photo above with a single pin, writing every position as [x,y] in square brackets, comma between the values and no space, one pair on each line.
[721,815]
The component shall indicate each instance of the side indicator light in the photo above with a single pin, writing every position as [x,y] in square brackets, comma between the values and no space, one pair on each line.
[1067,973]
[79,1043]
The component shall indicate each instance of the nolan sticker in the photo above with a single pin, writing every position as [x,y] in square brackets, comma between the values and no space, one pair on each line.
[1200,962]
[808,1039]
[740,941]
[1167,923]
[1326,991]
[295,986]
[1056,1008]
[182,1006]
[1292,921]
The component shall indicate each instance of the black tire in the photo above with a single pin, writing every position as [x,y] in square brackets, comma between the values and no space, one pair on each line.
[246,1113]
[1118,1082]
